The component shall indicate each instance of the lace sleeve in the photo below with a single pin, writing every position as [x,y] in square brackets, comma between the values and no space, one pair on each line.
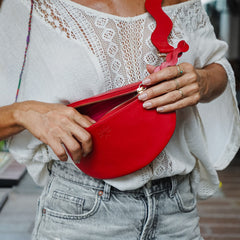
[220,117]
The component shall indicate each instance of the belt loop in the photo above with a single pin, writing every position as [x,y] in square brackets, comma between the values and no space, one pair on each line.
[173,189]
[49,167]
[106,192]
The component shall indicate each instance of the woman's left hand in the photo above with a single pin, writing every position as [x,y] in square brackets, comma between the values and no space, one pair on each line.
[171,88]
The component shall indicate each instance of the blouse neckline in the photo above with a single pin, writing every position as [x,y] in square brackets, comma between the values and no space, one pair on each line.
[116,17]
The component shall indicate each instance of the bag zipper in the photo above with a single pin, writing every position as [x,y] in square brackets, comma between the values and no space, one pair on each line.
[139,90]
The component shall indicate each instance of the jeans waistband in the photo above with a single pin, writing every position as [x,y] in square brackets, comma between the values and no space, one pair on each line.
[70,172]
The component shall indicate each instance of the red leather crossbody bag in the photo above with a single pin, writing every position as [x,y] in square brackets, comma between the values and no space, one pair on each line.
[126,137]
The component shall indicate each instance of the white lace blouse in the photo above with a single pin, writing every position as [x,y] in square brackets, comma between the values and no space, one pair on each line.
[76,52]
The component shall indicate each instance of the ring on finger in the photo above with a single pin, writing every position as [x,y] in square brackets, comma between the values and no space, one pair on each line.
[177,84]
[180,71]
[181,92]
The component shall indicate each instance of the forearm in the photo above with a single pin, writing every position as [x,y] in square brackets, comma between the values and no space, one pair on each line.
[12,117]
[53,124]
[8,122]
[212,82]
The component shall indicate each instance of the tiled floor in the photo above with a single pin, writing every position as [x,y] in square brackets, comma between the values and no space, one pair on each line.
[220,215]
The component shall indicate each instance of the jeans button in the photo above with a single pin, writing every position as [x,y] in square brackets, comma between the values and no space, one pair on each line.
[100,193]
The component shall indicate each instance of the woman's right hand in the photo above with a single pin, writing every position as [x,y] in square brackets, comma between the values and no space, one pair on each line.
[57,126]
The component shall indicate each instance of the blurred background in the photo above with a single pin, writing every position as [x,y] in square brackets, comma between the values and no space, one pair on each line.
[220,215]
[225,17]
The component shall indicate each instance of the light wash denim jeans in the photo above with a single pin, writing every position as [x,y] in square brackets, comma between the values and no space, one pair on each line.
[74,206]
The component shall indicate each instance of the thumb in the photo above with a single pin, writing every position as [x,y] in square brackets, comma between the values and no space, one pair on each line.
[150,68]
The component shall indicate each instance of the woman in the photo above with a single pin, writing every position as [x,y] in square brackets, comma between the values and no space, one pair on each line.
[81,48]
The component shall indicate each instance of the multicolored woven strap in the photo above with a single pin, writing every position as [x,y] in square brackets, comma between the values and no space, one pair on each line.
[26,50]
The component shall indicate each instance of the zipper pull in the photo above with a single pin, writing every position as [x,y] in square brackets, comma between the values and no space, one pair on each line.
[141,88]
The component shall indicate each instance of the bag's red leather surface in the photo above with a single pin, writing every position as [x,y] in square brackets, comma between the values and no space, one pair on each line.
[125,139]
[128,137]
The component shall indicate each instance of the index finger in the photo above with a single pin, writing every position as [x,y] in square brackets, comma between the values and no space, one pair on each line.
[80,119]
[162,75]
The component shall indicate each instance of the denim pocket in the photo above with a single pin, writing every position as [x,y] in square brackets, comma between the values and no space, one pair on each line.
[68,201]
[185,197]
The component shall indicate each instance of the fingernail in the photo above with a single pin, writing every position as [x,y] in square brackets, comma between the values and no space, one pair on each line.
[147,105]
[142,96]
[146,81]
[160,109]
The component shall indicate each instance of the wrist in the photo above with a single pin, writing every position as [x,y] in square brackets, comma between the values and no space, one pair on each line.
[212,82]
[19,113]
[203,84]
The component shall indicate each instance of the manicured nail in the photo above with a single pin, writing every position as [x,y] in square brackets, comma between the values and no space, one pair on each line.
[147,105]
[142,96]
[146,81]
[160,109]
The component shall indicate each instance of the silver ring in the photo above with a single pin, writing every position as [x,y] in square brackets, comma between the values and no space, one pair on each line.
[181,92]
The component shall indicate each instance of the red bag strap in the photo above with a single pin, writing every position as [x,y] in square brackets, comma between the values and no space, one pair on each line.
[160,35]
[163,26]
